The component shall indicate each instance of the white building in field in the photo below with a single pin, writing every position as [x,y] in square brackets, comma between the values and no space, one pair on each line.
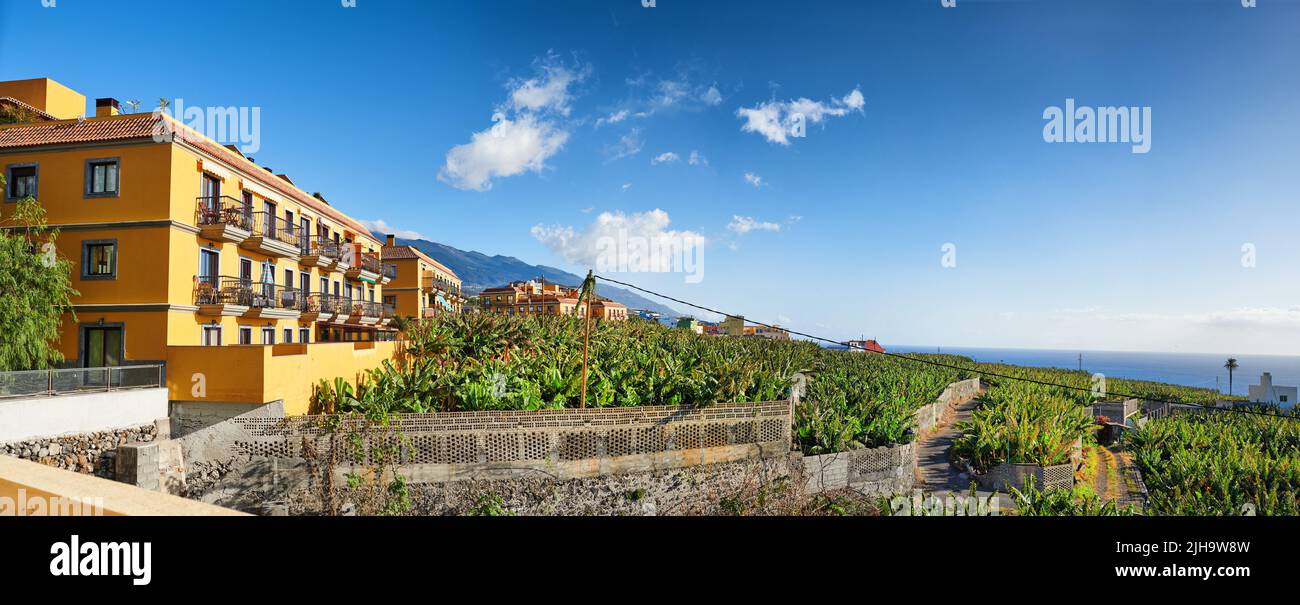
[1267,392]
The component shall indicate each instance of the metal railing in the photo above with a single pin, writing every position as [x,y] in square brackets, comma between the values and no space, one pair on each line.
[321,246]
[269,225]
[367,309]
[370,262]
[74,381]
[224,210]
[390,271]
[328,303]
[213,290]
[432,283]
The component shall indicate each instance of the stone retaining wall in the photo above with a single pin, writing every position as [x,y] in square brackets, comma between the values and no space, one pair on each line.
[930,414]
[87,453]
[875,471]
[1003,477]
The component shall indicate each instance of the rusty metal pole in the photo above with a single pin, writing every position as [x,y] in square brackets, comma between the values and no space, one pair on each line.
[586,338]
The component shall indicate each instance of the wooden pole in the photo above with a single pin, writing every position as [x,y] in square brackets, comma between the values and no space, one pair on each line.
[586,338]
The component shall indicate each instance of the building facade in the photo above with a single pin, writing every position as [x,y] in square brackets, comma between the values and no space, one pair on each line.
[187,253]
[538,298]
[1267,392]
[420,286]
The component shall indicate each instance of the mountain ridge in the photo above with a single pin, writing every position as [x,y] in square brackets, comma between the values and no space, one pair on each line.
[478,271]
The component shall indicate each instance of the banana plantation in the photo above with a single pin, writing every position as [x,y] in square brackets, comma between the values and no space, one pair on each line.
[1198,463]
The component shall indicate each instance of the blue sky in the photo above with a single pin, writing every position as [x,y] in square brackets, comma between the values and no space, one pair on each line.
[1075,246]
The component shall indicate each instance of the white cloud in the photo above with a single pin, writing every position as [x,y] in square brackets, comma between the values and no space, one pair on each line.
[525,132]
[584,247]
[627,186]
[613,118]
[753,179]
[697,159]
[508,148]
[379,228]
[666,157]
[712,96]
[744,224]
[629,144]
[777,121]
[549,89]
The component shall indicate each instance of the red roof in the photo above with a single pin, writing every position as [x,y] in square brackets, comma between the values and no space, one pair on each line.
[144,125]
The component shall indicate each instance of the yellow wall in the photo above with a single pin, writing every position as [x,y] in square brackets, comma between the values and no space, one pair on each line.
[262,374]
[46,95]
[153,219]
[145,188]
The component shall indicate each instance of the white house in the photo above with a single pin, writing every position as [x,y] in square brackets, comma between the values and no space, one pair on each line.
[1267,392]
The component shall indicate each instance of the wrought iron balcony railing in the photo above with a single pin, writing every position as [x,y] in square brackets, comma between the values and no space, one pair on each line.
[224,210]
[321,246]
[370,262]
[269,225]
[220,290]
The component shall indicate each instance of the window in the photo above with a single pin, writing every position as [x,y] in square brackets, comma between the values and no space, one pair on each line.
[209,265]
[245,335]
[304,282]
[1282,398]
[324,285]
[304,335]
[270,217]
[268,335]
[99,259]
[211,336]
[22,181]
[288,335]
[102,177]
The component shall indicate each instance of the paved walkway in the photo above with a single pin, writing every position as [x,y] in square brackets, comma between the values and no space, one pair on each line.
[935,473]
[934,470]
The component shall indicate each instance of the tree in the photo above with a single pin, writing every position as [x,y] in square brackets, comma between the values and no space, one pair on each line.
[37,287]
[1231,365]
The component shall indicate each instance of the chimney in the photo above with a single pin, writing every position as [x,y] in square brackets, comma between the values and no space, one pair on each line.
[391,240]
[106,107]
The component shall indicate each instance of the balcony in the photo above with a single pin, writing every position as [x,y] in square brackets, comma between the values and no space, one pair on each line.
[365,313]
[271,301]
[319,251]
[390,273]
[222,296]
[326,308]
[223,219]
[431,282]
[273,236]
[368,268]
[387,313]
[234,296]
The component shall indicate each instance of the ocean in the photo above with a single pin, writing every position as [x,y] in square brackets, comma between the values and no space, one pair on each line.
[1188,369]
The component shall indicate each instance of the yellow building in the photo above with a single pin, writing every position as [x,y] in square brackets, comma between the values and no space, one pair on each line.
[187,253]
[541,298]
[420,286]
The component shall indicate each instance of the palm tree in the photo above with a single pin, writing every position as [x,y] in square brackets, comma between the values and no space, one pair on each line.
[1231,365]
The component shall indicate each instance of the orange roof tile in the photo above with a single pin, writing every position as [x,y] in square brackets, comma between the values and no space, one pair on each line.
[138,126]
[408,252]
